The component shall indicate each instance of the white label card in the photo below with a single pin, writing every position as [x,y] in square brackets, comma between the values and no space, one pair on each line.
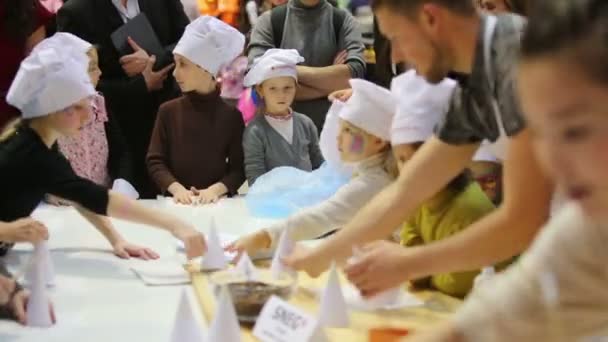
[280,321]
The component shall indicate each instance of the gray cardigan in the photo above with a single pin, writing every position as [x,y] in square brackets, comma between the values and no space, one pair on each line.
[310,30]
[265,149]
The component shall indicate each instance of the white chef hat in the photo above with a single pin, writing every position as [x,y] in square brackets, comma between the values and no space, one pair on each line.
[273,63]
[64,40]
[48,80]
[420,106]
[328,142]
[370,108]
[210,43]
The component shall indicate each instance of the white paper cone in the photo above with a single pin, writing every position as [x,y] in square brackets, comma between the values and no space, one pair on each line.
[125,188]
[41,255]
[284,248]
[332,310]
[246,267]
[214,258]
[225,326]
[38,311]
[186,327]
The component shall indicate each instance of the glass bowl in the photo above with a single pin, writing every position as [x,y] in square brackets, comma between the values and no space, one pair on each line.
[250,295]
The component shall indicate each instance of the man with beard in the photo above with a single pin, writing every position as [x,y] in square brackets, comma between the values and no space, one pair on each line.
[440,38]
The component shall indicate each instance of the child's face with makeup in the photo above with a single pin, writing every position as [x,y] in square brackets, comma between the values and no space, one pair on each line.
[191,77]
[278,94]
[356,145]
[570,128]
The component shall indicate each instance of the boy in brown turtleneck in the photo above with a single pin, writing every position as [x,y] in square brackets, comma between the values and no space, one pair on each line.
[196,147]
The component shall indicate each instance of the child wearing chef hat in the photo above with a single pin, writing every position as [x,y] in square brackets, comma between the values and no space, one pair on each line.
[363,142]
[52,90]
[196,152]
[97,152]
[278,136]
[420,107]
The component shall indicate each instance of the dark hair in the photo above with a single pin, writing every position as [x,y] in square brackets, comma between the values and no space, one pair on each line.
[577,29]
[407,7]
[518,6]
[458,183]
[19,18]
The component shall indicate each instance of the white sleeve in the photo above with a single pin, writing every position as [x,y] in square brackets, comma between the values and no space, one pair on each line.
[556,292]
[333,213]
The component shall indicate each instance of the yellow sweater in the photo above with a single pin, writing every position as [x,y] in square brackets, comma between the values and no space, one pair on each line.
[442,216]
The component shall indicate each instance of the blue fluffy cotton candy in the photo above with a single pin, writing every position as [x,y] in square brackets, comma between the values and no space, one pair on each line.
[276,195]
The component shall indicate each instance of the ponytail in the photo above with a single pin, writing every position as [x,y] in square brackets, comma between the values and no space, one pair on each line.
[11,128]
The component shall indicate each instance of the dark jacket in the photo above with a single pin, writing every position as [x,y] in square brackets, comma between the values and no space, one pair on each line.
[127,98]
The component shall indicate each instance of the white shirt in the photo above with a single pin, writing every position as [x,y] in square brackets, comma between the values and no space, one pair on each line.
[555,292]
[129,12]
[283,127]
[370,178]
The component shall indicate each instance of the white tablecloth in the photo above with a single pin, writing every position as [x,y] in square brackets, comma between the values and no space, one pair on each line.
[97,296]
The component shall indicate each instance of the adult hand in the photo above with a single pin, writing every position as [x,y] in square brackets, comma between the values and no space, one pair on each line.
[206,196]
[251,244]
[183,196]
[305,259]
[341,57]
[194,241]
[18,306]
[125,250]
[135,63]
[155,79]
[341,95]
[379,268]
[23,230]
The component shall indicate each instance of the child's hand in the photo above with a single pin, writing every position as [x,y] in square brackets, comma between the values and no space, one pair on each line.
[194,241]
[307,260]
[206,196]
[24,230]
[251,244]
[183,197]
[125,250]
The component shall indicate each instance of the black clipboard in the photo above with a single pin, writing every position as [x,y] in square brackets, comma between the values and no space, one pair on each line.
[141,31]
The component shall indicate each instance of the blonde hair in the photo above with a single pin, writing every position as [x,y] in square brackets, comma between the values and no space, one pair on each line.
[390,164]
[11,128]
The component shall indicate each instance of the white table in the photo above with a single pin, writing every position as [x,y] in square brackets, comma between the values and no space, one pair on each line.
[97,296]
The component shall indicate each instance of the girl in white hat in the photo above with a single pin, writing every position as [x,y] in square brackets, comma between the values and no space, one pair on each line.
[97,152]
[420,107]
[52,90]
[278,136]
[363,141]
[196,152]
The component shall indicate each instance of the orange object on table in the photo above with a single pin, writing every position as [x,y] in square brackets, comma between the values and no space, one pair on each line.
[387,334]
